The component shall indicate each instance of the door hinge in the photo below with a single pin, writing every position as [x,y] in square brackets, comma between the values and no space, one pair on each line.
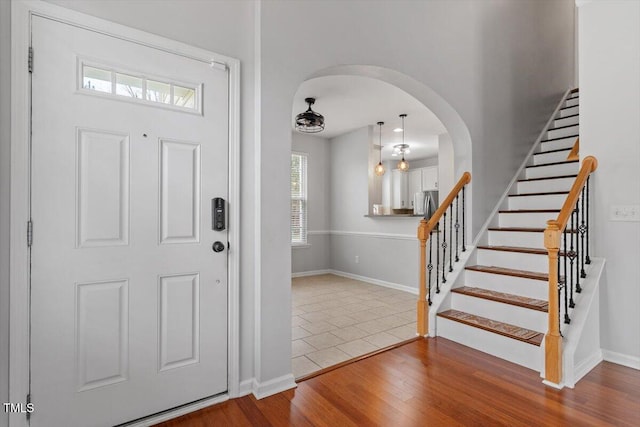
[30,59]
[29,233]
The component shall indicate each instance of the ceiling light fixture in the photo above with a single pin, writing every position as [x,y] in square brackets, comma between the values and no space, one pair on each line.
[309,121]
[379,169]
[403,165]
[397,130]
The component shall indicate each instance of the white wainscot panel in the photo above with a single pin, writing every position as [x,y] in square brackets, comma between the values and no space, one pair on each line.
[102,333]
[179,320]
[102,188]
[179,192]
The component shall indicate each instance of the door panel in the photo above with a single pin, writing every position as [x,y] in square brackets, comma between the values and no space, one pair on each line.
[128,301]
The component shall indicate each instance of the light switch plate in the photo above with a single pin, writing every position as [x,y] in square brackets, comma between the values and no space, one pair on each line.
[624,213]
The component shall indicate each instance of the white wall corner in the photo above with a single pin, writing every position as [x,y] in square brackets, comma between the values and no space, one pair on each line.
[274,386]
[627,360]
[580,3]
[245,388]
[584,367]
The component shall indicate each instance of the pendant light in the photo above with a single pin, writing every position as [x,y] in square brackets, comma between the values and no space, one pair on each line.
[379,169]
[403,165]
[310,121]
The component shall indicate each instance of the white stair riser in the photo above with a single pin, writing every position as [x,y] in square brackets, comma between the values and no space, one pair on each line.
[523,239]
[570,111]
[526,220]
[558,144]
[559,133]
[566,121]
[505,313]
[552,170]
[515,260]
[548,201]
[572,102]
[497,345]
[552,157]
[560,184]
[508,284]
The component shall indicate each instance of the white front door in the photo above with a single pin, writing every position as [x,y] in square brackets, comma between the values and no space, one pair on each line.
[128,299]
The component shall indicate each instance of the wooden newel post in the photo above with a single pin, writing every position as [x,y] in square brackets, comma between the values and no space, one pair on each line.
[423,305]
[553,340]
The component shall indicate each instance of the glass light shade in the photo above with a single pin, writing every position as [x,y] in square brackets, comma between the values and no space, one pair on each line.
[403,165]
[379,169]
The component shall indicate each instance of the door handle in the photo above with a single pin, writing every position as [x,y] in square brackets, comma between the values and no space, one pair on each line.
[218,246]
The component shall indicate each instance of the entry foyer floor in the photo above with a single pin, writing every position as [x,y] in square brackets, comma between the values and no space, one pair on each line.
[336,319]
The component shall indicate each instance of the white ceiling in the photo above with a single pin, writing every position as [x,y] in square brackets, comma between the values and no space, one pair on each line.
[351,102]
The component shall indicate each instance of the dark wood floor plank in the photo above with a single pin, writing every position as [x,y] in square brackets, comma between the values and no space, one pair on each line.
[435,382]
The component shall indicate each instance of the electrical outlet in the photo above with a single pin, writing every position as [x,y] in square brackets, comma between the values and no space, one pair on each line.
[624,213]
[357,259]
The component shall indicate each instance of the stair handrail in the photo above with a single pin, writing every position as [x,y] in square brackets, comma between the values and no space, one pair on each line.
[424,231]
[552,242]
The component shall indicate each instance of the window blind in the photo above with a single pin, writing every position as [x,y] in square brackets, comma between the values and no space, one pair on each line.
[298,198]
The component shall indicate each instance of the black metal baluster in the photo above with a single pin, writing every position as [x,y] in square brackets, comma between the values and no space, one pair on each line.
[451,237]
[564,281]
[430,265]
[464,248]
[586,250]
[457,226]
[572,257]
[583,229]
[444,246]
[438,258]
[576,231]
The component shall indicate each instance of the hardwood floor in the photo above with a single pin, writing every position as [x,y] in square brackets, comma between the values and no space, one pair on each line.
[435,382]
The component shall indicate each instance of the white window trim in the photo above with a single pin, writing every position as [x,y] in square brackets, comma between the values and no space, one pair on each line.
[305,243]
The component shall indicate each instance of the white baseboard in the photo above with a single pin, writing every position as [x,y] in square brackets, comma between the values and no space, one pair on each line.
[584,367]
[373,281]
[276,385]
[310,273]
[183,410]
[621,359]
[245,388]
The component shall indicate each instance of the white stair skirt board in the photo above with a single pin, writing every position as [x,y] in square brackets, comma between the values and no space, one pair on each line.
[572,102]
[542,185]
[526,220]
[566,131]
[553,170]
[508,284]
[558,144]
[560,122]
[570,111]
[502,312]
[546,201]
[581,343]
[514,260]
[551,157]
[512,350]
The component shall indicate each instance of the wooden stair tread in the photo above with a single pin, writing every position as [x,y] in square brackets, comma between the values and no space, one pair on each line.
[563,127]
[509,272]
[574,90]
[553,151]
[521,249]
[523,229]
[518,211]
[566,117]
[562,137]
[504,329]
[511,299]
[539,194]
[554,163]
[548,177]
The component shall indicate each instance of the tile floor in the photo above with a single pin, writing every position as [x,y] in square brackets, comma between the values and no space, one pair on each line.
[336,319]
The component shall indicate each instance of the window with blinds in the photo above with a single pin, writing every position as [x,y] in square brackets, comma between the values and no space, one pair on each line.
[298,199]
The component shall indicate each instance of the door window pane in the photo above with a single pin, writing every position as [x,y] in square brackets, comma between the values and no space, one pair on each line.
[96,79]
[158,92]
[127,85]
[184,97]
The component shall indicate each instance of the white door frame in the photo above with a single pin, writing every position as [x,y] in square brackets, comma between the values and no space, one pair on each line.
[19,304]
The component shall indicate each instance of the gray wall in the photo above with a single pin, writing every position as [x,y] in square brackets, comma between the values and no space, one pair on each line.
[5,129]
[609,38]
[314,256]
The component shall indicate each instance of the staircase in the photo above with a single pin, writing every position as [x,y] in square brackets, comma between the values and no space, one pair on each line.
[499,305]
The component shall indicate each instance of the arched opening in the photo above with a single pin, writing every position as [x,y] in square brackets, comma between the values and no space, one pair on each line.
[355,264]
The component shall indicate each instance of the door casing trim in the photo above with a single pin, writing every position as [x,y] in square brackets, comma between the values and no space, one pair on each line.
[19,303]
